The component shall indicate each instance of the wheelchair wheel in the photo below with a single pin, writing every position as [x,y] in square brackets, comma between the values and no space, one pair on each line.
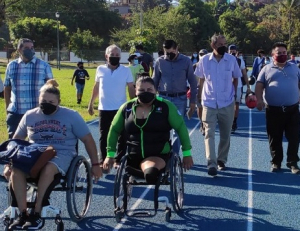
[80,185]
[120,206]
[176,183]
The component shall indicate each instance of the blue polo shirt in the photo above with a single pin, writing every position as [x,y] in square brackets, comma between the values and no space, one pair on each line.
[280,84]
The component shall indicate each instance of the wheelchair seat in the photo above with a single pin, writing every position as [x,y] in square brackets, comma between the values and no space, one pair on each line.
[77,183]
[127,177]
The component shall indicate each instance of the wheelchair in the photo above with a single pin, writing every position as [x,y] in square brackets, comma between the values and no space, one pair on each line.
[127,177]
[77,184]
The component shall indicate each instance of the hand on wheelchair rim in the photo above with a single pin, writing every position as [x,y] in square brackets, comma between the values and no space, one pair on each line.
[187,162]
[108,164]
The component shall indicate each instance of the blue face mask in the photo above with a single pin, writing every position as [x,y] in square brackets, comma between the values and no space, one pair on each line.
[195,55]
[135,61]
[28,54]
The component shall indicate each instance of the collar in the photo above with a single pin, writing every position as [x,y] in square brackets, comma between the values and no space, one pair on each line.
[225,56]
[275,66]
[33,60]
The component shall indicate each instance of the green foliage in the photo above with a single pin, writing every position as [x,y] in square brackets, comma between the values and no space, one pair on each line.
[85,45]
[142,38]
[3,43]
[42,31]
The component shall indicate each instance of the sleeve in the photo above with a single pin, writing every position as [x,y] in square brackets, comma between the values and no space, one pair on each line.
[129,76]
[7,82]
[254,66]
[199,69]
[75,72]
[97,75]
[262,76]
[48,71]
[192,81]
[156,74]
[177,123]
[87,74]
[116,127]
[22,127]
[79,126]
[236,70]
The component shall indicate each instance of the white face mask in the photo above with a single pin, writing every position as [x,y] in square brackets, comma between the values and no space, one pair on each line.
[241,57]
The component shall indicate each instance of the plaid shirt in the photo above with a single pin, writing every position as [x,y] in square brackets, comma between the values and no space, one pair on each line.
[25,80]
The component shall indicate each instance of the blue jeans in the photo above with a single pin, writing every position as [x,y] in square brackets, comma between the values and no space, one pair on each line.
[12,121]
[181,103]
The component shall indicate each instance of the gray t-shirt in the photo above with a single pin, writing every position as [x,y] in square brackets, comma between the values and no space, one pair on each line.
[60,130]
[280,85]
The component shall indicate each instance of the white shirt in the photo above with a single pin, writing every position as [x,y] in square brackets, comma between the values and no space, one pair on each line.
[112,86]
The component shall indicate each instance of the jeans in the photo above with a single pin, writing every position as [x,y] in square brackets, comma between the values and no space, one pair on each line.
[12,121]
[181,103]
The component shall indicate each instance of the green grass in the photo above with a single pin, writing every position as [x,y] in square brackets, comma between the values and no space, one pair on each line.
[68,93]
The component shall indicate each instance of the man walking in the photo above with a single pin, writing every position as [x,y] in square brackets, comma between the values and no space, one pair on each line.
[110,85]
[277,88]
[24,77]
[171,74]
[218,73]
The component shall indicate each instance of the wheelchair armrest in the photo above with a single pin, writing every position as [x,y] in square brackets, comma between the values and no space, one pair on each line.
[134,172]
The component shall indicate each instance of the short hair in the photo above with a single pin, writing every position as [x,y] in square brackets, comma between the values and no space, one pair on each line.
[139,47]
[79,63]
[232,47]
[260,51]
[239,52]
[168,44]
[160,53]
[51,86]
[131,57]
[215,38]
[145,79]
[279,44]
[112,47]
[22,41]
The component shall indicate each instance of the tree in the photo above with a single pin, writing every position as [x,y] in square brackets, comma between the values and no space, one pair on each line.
[85,45]
[41,31]
[202,23]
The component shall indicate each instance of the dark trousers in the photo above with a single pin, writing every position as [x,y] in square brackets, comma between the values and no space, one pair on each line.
[105,119]
[283,120]
[12,122]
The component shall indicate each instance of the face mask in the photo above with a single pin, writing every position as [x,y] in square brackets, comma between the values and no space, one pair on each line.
[114,61]
[195,55]
[171,55]
[233,54]
[241,57]
[81,67]
[135,62]
[28,54]
[221,50]
[280,58]
[48,108]
[146,97]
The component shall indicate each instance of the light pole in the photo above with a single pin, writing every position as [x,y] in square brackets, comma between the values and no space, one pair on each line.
[57,27]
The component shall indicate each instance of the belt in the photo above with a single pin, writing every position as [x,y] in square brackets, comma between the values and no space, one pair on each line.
[283,108]
[172,94]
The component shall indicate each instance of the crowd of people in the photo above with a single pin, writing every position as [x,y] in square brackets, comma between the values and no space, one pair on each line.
[158,104]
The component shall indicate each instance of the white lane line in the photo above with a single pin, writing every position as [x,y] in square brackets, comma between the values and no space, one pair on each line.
[136,204]
[250,185]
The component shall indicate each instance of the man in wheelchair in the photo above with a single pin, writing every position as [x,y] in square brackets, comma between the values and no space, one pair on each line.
[148,120]
[56,126]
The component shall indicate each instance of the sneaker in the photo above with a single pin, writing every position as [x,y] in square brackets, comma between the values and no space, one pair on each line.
[202,129]
[34,222]
[221,165]
[234,127]
[212,171]
[275,168]
[19,221]
[294,168]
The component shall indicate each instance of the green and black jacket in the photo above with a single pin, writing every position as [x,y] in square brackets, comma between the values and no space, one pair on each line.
[150,136]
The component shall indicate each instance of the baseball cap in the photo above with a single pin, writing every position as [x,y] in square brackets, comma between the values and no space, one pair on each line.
[203,51]
[232,47]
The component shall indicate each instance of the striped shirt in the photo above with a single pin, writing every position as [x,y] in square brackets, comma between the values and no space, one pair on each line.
[25,80]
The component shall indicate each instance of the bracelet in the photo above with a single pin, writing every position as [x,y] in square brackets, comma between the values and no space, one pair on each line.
[96,164]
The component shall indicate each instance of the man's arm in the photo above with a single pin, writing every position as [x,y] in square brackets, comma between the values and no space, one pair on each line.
[131,90]
[95,94]
[7,94]
[156,74]
[259,89]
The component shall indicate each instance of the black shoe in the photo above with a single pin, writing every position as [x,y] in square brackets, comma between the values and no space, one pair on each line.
[294,168]
[34,222]
[234,127]
[212,171]
[202,129]
[221,165]
[19,221]
[275,168]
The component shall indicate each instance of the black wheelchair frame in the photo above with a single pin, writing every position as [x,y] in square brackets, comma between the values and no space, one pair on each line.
[76,183]
[127,177]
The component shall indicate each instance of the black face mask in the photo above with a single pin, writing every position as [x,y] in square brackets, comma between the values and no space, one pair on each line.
[114,61]
[146,97]
[80,67]
[48,108]
[171,55]
[221,50]
[233,54]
